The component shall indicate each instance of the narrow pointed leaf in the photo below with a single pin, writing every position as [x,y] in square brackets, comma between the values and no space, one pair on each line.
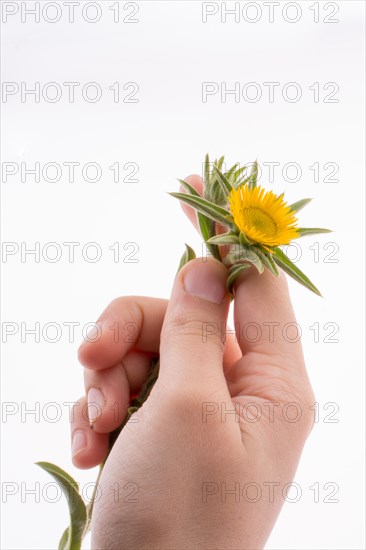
[218,191]
[224,238]
[243,255]
[237,177]
[224,183]
[77,508]
[220,162]
[288,267]
[297,206]
[243,181]
[233,273]
[303,231]
[188,255]
[267,261]
[188,187]
[252,257]
[62,545]
[244,241]
[203,221]
[253,175]
[213,248]
[207,170]
[218,195]
[204,224]
[273,264]
[231,172]
[208,208]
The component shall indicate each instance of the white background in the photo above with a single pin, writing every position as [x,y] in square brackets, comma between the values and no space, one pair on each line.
[169,53]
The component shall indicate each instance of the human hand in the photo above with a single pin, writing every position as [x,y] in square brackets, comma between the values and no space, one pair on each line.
[195,439]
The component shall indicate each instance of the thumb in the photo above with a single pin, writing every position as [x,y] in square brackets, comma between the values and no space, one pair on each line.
[193,334]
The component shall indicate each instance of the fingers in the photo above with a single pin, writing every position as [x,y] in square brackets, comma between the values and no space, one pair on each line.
[273,365]
[197,183]
[263,311]
[128,322]
[88,447]
[191,350]
[267,333]
[109,388]
[259,300]
[108,391]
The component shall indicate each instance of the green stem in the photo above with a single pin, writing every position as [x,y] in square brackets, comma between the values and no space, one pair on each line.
[213,248]
[90,506]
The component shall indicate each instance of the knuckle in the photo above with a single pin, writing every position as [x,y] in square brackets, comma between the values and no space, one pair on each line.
[184,325]
[196,331]
[75,412]
[128,304]
[119,301]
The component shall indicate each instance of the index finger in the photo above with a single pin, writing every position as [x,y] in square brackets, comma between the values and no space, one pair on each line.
[129,322]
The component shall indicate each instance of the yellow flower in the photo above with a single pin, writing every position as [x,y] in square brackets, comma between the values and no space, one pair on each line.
[262,216]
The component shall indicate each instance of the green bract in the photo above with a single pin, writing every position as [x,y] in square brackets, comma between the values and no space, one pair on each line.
[233,247]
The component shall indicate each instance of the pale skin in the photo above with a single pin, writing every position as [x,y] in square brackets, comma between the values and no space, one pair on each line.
[199,468]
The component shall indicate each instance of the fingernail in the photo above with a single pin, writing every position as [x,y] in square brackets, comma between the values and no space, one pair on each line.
[78,442]
[96,402]
[207,281]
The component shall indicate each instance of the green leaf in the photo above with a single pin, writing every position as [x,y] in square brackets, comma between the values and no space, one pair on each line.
[207,170]
[224,238]
[244,241]
[223,182]
[71,538]
[288,267]
[273,264]
[242,182]
[189,188]
[237,176]
[267,261]
[204,224]
[203,221]
[303,231]
[220,162]
[218,197]
[218,191]
[230,173]
[213,249]
[252,181]
[208,208]
[244,255]
[188,255]
[62,545]
[248,255]
[233,273]
[297,206]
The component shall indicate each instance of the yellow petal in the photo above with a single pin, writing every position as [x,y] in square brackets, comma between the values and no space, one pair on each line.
[262,216]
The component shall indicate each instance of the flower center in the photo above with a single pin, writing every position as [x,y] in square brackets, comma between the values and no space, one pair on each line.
[260,220]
